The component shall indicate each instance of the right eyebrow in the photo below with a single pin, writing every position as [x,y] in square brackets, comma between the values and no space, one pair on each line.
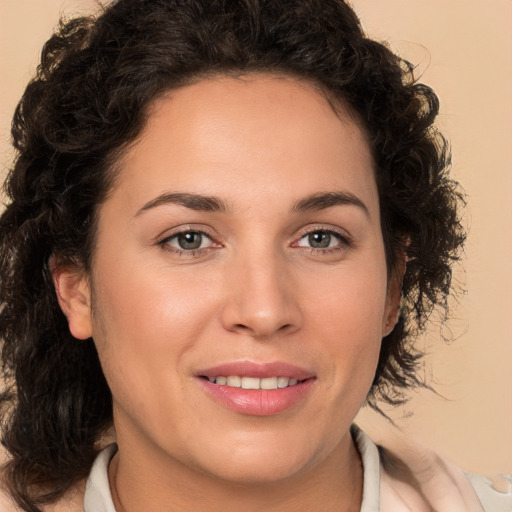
[197,202]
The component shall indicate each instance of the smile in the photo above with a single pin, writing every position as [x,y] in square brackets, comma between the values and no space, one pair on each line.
[234,381]
[257,389]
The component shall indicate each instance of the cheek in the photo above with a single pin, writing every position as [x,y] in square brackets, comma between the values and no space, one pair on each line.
[347,322]
[139,303]
[351,300]
[145,325]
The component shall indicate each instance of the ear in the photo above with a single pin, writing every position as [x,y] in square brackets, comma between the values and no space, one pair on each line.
[73,293]
[394,295]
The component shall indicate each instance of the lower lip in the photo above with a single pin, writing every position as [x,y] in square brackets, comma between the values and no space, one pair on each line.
[258,402]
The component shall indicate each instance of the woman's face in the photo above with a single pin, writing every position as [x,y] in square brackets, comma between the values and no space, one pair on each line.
[240,246]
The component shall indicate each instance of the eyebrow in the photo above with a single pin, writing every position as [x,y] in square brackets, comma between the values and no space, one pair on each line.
[324,200]
[193,201]
[199,202]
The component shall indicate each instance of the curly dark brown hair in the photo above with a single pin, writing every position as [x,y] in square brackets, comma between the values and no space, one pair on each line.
[89,100]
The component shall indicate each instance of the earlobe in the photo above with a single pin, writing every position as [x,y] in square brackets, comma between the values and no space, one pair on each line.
[73,293]
[394,297]
[391,320]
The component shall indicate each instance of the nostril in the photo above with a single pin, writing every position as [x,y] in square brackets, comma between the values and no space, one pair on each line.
[242,327]
[260,317]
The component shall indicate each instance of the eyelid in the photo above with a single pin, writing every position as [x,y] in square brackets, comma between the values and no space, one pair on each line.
[340,233]
[175,236]
[163,240]
[186,228]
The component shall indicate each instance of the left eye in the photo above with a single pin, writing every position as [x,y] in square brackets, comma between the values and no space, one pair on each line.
[320,240]
[189,241]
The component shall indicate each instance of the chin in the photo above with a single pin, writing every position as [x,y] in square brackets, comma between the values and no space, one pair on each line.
[262,460]
[273,469]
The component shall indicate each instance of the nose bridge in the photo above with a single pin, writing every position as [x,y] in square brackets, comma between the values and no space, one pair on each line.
[260,300]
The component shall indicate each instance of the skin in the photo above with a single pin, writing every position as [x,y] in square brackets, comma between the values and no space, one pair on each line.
[255,291]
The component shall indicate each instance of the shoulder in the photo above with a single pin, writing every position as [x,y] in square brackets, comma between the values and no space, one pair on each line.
[417,475]
[495,493]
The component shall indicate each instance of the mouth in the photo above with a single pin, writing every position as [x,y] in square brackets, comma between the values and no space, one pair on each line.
[257,389]
[236,381]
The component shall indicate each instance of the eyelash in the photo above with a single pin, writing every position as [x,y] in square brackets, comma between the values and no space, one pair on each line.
[186,252]
[344,242]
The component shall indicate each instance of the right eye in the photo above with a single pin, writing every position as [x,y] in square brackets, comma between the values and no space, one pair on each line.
[187,241]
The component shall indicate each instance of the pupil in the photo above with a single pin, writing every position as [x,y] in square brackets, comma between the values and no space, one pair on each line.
[319,240]
[190,240]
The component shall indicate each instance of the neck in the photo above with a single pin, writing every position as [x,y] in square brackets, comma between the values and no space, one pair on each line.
[145,480]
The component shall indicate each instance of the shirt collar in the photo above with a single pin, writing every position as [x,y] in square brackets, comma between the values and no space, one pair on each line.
[97,496]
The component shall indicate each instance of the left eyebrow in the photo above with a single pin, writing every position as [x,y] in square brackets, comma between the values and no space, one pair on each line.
[324,200]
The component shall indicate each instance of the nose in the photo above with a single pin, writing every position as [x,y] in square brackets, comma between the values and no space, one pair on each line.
[261,300]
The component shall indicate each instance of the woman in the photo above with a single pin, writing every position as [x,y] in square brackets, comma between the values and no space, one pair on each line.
[227,220]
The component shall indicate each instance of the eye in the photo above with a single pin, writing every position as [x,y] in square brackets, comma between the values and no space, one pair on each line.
[322,239]
[188,241]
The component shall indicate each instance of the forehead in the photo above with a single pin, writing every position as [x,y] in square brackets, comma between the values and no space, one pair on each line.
[248,136]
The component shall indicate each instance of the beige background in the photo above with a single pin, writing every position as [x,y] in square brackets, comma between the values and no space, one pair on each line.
[463,49]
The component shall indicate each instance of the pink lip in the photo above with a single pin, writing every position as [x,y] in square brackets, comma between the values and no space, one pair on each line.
[257,402]
[259,370]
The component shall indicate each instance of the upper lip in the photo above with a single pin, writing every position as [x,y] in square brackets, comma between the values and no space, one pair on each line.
[258,370]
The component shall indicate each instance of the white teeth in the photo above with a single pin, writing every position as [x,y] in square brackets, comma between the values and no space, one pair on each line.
[268,383]
[282,382]
[235,381]
[250,383]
